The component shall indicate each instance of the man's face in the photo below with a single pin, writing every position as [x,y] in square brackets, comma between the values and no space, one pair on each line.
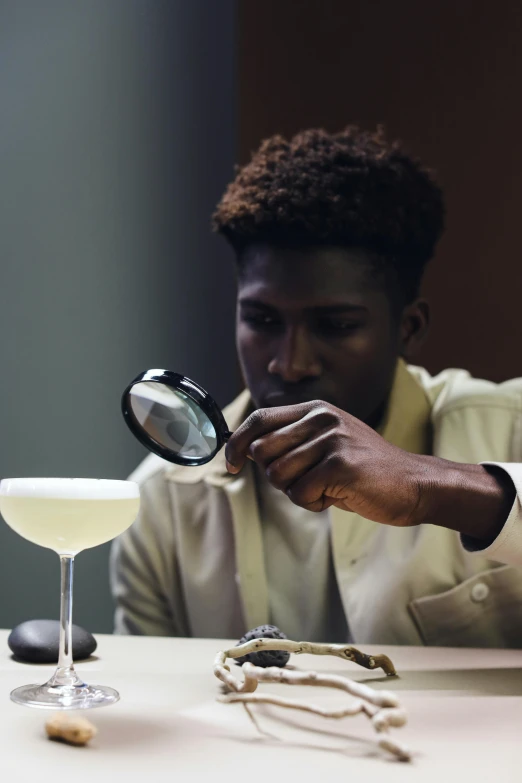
[313,325]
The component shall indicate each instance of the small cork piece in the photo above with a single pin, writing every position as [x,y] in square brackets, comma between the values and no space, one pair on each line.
[70,729]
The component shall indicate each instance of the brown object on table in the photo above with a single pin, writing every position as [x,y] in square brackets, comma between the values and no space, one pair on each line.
[70,729]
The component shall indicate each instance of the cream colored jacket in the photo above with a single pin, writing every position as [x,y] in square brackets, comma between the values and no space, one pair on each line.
[193,562]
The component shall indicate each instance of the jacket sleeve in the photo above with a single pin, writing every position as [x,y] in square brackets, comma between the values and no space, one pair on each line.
[142,568]
[507,546]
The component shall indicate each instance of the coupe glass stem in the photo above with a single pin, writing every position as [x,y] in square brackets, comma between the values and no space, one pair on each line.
[65,659]
[65,674]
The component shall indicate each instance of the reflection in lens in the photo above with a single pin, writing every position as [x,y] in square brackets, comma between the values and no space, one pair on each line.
[173,419]
[178,430]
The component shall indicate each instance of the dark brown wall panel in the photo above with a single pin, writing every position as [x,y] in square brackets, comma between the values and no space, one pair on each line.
[446,78]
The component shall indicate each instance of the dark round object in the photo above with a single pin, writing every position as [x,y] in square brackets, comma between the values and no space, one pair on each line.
[265,658]
[37,641]
[174,417]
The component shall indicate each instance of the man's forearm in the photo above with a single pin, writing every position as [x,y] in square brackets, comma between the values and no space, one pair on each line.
[471,499]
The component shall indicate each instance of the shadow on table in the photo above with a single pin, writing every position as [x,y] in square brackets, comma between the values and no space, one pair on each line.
[352,745]
[129,731]
[464,682]
[479,682]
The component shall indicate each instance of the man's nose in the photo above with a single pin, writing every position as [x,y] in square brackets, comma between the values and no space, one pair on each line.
[295,358]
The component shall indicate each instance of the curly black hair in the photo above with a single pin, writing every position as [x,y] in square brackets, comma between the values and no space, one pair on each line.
[348,189]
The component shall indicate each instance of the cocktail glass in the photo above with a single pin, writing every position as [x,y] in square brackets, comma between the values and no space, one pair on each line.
[67,515]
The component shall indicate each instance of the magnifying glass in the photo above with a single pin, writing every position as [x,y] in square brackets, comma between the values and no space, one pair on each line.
[174,417]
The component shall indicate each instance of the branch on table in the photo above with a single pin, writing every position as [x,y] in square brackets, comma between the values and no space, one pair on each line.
[346,652]
[381,707]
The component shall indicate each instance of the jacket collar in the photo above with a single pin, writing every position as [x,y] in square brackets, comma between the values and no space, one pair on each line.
[407,422]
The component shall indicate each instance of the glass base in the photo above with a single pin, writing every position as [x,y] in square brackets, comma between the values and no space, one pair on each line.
[65,697]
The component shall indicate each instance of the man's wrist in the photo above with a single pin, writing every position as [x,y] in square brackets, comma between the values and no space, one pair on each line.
[473,500]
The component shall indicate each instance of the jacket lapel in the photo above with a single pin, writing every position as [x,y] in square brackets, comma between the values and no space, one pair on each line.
[406,425]
[250,563]
[241,494]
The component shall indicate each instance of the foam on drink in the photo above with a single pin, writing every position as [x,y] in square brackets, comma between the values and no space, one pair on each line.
[68,515]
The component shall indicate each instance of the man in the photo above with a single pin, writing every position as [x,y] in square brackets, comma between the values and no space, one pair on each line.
[350,503]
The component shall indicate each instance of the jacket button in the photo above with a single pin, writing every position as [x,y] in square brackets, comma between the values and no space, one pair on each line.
[479,592]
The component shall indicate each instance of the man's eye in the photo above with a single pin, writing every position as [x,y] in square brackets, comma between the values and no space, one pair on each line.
[339,327]
[260,320]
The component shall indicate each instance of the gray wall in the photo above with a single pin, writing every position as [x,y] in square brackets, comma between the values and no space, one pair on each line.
[117,135]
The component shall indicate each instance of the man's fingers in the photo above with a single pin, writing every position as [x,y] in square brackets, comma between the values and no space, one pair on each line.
[309,490]
[267,448]
[259,423]
[287,469]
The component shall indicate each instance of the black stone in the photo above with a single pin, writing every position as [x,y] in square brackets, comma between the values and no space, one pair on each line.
[265,658]
[37,641]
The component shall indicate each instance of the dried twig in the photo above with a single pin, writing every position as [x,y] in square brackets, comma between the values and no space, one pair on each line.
[381,707]
[347,652]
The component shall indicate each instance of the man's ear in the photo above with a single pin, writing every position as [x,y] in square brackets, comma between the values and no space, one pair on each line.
[414,327]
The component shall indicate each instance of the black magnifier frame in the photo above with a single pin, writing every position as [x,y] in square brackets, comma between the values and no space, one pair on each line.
[192,390]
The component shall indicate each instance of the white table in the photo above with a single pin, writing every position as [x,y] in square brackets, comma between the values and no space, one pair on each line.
[464,706]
